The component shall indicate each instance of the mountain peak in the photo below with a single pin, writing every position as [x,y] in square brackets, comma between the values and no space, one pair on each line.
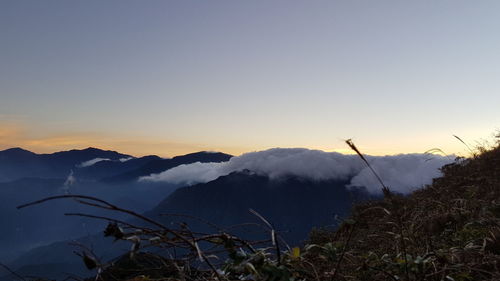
[16,150]
[210,154]
[90,148]
[92,152]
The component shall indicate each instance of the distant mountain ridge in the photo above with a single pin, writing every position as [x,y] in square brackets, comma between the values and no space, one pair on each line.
[113,167]
[26,176]
[16,163]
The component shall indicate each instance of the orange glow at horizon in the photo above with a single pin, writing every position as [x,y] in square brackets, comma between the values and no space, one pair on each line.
[142,147]
[16,135]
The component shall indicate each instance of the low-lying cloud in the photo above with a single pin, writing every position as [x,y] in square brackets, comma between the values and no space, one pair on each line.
[92,162]
[402,173]
[97,160]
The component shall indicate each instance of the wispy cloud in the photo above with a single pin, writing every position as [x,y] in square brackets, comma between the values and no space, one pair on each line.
[92,162]
[125,159]
[70,181]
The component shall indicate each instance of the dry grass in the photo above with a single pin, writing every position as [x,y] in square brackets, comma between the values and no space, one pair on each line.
[449,230]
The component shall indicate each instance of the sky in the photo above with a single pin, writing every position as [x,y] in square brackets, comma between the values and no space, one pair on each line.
[172,77]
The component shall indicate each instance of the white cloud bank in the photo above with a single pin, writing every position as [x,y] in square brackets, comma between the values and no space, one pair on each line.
[402,173]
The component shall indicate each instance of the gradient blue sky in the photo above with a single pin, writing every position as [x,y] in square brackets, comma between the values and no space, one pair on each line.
[169,77]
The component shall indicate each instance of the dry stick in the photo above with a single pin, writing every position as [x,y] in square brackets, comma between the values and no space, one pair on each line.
[214,226]
[145,230]
[314,269]
[218,228]
[88,253]
[112,207]
[387,193]
[108,206]
[103,218]
[403,244]
[468,147]
[337,266]
[12,272]
[234,238]
[351,144]
[275,238]
[431,152]
[273,235]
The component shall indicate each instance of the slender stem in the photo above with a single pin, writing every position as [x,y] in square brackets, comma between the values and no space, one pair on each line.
[12,272]
[337,266]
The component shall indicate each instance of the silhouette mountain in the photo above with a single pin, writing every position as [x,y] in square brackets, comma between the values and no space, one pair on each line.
[294,205]
[16,163]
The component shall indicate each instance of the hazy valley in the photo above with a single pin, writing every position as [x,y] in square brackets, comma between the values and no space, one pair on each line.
[296,189]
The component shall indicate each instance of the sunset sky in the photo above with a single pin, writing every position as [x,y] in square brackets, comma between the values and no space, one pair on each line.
[172,77]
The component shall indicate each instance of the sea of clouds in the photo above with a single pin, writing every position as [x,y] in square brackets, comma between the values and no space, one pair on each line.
[402,173]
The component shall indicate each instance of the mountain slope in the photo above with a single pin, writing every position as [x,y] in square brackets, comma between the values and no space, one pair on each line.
[293,204]
[105,169]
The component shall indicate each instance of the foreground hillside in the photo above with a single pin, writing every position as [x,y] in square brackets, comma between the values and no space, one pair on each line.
[449,230]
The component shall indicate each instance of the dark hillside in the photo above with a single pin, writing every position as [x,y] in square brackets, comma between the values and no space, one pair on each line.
[294,205]
[449,230]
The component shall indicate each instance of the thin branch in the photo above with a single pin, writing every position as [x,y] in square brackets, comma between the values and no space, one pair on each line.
[273,235]
[351,144]
[344,250]
[466,145]
[112,207]
[12,272]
